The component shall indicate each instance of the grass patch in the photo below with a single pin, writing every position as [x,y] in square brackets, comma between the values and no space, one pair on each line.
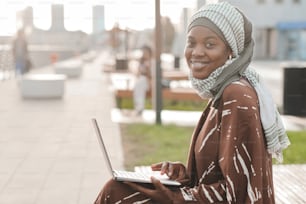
[145,144]
[296,152]
[127,103]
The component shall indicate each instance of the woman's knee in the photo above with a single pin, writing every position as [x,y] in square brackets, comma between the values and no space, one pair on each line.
[113,189]
[116,191]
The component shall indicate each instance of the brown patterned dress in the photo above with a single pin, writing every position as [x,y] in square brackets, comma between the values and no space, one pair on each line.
[228,161]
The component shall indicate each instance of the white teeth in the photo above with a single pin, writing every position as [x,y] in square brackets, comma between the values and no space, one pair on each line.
[197,64]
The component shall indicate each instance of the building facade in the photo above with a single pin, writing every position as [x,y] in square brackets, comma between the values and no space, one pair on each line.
[279,27]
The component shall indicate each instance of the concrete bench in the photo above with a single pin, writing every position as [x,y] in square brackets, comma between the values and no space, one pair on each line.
[42,85]
[123,85]
[70,69]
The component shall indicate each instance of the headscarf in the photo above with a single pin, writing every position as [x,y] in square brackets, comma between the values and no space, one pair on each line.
[236,31]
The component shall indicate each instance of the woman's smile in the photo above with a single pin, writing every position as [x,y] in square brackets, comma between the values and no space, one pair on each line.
[198,65]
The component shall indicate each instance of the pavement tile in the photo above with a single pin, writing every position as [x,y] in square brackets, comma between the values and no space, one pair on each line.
[48,150]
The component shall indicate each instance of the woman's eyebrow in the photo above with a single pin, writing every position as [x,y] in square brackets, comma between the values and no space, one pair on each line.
[190,37]
[204,38]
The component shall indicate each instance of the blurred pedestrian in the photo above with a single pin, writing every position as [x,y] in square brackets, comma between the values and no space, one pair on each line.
[20,53]
[143,79]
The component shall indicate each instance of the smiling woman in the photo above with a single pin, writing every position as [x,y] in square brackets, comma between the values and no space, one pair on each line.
[231,150]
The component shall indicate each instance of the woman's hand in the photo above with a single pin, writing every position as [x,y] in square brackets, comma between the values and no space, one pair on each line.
[160,193]
[174,170]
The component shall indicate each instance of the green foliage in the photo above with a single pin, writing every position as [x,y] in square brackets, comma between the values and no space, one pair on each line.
[168,105]
[296,152]
[145,144]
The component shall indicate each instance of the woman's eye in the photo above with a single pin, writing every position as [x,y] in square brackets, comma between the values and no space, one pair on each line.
[190,44]
[209,45]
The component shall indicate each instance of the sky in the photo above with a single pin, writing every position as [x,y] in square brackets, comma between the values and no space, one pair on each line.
[134,14]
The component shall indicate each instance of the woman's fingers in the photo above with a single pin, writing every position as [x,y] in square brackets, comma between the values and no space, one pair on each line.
[171,170]
[157,166]
[174,170]
[164,168]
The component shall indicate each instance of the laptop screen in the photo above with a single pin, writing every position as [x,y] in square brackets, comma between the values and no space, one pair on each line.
[102,144]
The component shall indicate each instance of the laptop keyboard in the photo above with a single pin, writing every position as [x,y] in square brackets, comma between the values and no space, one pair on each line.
[140,175]
[144,177]
[131,174]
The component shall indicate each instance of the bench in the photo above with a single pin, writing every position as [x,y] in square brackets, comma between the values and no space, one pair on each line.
[42,85]
[71,69]
[123,84]
[174,94]
[289,182]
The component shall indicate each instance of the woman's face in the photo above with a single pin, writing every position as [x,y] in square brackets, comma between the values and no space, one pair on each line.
[205,51]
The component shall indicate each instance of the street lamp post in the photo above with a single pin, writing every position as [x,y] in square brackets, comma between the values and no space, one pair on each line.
[157,93]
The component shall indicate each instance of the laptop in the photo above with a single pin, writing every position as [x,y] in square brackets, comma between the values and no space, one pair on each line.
[132,176]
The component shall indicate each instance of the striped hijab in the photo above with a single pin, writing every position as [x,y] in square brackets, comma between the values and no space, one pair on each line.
[236,31]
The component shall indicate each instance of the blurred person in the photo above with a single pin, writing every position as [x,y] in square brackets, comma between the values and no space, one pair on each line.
[20,53]
[143,79]
[114,38]
[239,132]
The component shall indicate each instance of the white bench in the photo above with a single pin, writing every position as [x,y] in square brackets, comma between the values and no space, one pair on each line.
[42,85]
[70,69]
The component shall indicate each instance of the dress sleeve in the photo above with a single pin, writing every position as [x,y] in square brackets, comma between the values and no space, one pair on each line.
[241,155]
[240,140]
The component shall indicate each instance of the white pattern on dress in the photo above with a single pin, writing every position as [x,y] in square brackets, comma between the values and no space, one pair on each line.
[206,193]
[250,191]
[235,164]
[132,195]
[228,194]
[214,112]
[243,107]
[230,102]
[247,96]
[226,112]
[142,201]
[207,171]
[217,194]
[207,137]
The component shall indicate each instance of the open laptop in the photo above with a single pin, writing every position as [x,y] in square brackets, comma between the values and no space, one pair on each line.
[120,175]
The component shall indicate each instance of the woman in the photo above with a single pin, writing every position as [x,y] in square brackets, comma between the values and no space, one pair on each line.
[230,157]
[20,53]
[143,80]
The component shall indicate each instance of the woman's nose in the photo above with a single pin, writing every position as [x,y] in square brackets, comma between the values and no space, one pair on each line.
[198,51]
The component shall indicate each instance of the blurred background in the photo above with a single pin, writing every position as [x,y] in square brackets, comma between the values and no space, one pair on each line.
[48,150]
[71,27]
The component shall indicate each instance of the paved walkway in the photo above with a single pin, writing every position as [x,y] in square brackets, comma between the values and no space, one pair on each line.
[48,150]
